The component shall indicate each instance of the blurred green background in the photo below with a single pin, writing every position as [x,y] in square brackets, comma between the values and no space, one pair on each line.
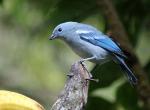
[34,66]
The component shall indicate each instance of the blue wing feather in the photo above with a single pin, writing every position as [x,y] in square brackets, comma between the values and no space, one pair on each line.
[108,44]
[131,77]
[104,42]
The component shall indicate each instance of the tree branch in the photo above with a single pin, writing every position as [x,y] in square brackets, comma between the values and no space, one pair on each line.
[75,93]
[119,34]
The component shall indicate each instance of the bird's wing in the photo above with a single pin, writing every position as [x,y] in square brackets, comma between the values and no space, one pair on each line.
[108,44]
[102,41]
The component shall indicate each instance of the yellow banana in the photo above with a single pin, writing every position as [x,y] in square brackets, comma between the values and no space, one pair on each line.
[15,101]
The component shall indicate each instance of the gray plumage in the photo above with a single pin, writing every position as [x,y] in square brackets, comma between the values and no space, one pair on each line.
[91,44]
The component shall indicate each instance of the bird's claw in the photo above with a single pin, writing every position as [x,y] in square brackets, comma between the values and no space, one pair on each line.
[81,61]
[70,75]
[91,79]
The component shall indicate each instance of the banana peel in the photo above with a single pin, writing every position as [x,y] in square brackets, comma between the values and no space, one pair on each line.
[15,101]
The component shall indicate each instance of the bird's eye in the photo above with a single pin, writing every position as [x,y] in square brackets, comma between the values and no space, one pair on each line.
[59,29]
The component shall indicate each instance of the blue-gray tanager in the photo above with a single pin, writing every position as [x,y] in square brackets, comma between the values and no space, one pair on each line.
[92,45]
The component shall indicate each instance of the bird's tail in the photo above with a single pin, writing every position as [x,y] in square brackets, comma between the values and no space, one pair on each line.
[130,75]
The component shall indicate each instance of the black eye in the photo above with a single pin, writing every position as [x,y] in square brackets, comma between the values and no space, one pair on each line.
[59,29]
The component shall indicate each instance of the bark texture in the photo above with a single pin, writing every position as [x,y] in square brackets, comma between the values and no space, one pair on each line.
[75,93]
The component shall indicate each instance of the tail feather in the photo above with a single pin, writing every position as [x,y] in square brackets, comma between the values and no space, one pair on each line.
[130,75]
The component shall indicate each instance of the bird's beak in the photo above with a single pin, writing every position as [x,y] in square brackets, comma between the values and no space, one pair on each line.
[52,37]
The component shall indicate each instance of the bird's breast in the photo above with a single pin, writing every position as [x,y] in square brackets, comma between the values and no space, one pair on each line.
[86,50]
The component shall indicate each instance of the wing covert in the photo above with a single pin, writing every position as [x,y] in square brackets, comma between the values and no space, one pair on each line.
[102,41]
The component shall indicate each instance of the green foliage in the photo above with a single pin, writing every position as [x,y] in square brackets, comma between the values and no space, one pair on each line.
[143,47]
[97,103]
[132,16]
[108,93]
[1,1]
[76,10]
[127,97]
[31,64]
[147,69]
[103,74]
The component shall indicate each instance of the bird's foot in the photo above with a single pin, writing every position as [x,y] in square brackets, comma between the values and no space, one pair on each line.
[81,61]
[70,75]
[91,79]
[85,68]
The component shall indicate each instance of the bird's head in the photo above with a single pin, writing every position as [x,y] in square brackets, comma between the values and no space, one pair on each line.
[63,30]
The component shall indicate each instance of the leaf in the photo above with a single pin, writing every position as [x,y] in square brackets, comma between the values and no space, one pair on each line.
[128,97]
[106,73]
[45,6]
[132,17]
[109,93]
[76,10]
[147,69]
[1,1]
[96,103]
[142,49]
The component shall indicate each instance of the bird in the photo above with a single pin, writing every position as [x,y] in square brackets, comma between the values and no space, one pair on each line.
[92,45]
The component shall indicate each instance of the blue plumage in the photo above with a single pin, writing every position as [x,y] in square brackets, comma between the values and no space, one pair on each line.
[130,75]
[109,45]
[92,45]
[104,42]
